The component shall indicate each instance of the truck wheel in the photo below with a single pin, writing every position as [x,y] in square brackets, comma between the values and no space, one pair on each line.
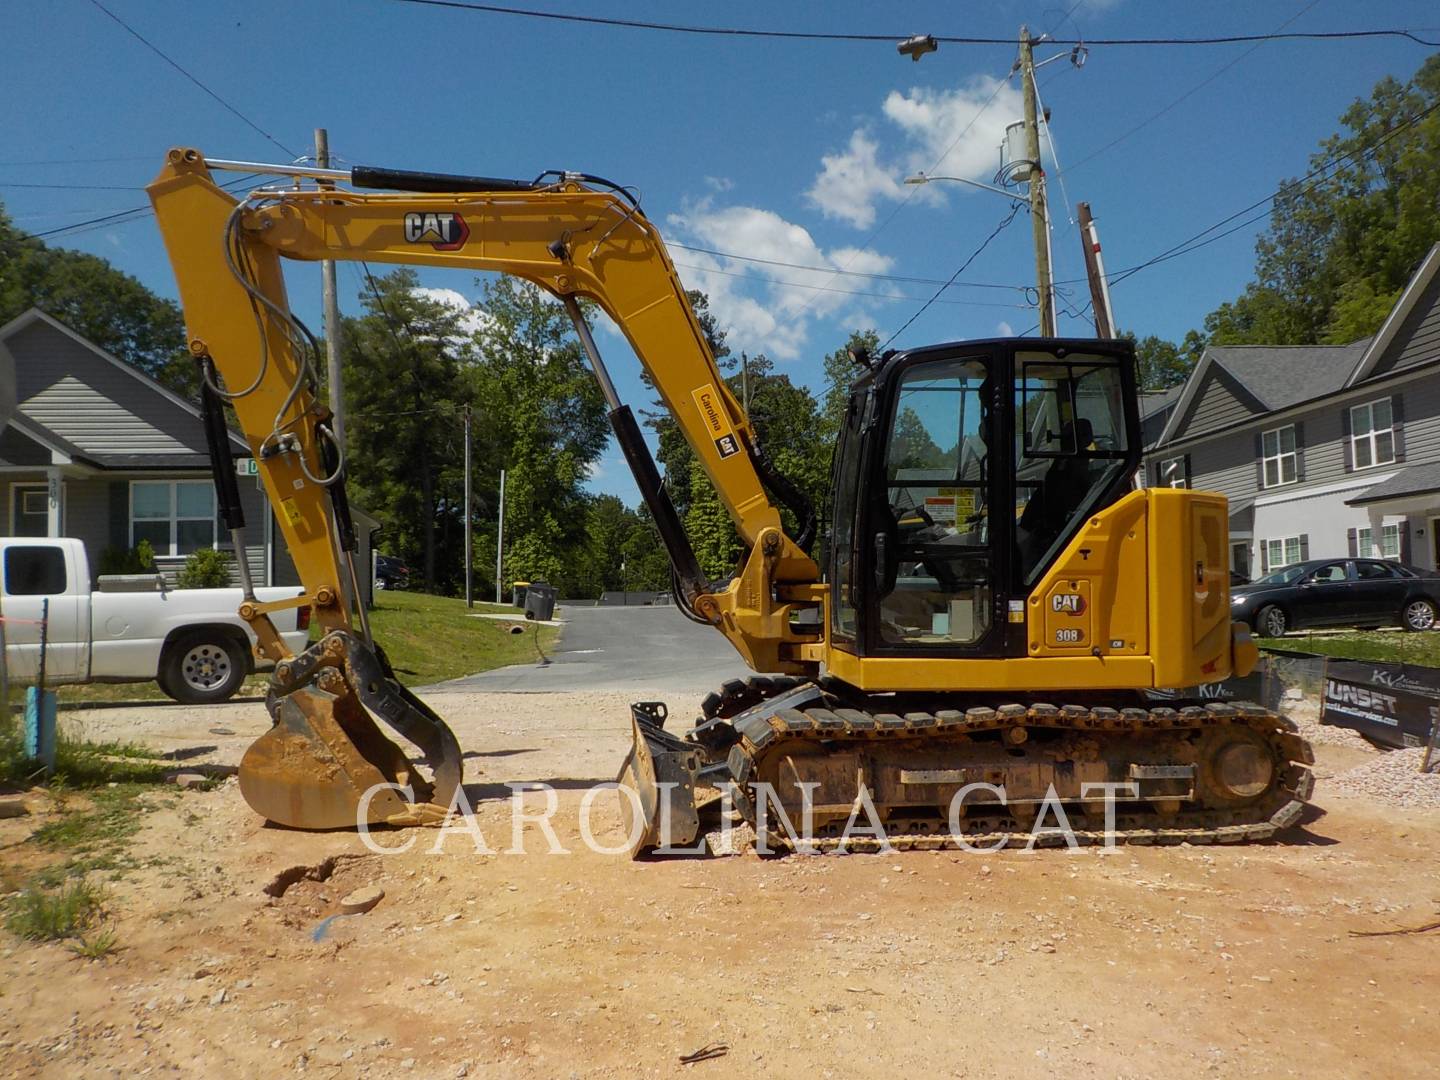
[202,668]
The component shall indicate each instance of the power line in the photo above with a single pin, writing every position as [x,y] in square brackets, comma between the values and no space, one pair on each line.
[72,187]
[802,35]
[838,271]
[1188,93]
[74,161]
[1292,187]
[211,93]
[135,213]
[1006,220]
[847,292]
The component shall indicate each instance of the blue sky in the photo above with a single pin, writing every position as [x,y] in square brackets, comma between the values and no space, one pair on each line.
[786,151]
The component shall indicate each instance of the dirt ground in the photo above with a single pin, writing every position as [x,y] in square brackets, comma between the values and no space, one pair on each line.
[1224,961]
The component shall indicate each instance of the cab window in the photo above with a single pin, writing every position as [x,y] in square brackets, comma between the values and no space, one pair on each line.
[34,571]
[932,546]
[1069,448]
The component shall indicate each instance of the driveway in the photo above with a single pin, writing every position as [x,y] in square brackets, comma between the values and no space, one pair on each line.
[639,649]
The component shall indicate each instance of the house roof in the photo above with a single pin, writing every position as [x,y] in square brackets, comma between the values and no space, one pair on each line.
[175,459]
[1283,375]
[1153,401]
[1411,480]
[1382,341]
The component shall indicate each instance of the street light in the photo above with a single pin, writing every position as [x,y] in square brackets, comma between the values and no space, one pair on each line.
[921,178]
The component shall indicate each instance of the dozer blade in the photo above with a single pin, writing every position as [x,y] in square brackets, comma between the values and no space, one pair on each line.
[659,773]
[325,764]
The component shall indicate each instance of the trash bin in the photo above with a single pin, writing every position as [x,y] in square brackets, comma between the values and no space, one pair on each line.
[517,593]
[540,601]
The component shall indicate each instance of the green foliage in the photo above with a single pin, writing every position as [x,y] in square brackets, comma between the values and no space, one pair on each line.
[39,914]
[78,763]
[1161,364]
[1339,250]
[205,568]
[102,943]
[107,306]
[137,560]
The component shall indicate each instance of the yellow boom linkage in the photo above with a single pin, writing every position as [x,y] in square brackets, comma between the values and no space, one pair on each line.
[316,765]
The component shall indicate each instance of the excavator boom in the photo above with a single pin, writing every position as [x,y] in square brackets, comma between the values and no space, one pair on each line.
[575,237]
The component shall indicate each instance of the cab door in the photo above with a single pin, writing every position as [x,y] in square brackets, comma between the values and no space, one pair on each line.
[929,529]
[32,574]
[1325,596]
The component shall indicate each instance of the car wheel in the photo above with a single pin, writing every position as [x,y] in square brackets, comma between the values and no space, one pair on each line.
[380,584]
[1271,622]
[1418,615]
[202,668]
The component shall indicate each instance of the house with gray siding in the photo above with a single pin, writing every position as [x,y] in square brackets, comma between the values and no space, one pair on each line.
[99,451]
[1323,451]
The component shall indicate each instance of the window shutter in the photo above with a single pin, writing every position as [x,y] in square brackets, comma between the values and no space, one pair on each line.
[1405,541]
[1259,461]
[1353,540]
[1186,470]
[1397,418]
[1264,556]
[1304,547]
[1299,451]
[1348,450]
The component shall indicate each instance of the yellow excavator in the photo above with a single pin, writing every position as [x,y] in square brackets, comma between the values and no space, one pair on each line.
[997,597]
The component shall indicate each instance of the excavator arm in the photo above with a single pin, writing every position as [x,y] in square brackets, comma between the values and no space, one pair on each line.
[574,236]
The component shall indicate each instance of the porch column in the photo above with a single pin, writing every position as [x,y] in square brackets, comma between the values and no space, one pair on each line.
[53,492]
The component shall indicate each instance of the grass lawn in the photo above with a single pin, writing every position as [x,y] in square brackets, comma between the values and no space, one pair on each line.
[433,638]
[428,639]
[1390,646]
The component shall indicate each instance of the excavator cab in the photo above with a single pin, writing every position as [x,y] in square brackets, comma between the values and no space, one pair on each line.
[962,471]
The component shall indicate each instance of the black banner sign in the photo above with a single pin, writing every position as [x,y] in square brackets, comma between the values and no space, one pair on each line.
[1261,687]
[1394,704]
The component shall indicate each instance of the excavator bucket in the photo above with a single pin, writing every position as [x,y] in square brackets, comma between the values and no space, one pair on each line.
[657,781]
[324,763]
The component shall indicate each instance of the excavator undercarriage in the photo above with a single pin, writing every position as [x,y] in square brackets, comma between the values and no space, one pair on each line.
[1030,772]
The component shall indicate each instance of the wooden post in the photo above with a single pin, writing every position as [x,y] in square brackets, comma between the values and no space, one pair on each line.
[1039,215]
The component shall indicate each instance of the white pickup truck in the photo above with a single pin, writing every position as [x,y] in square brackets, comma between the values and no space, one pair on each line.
[190,641]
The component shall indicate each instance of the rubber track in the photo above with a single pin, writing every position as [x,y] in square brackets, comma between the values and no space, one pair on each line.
[1281,808]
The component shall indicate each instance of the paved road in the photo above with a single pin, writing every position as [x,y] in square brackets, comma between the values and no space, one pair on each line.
[620,648]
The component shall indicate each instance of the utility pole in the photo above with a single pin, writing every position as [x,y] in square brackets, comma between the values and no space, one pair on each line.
[1095,272]
[500,539]
[332,314]
[469,547]
[1039,216]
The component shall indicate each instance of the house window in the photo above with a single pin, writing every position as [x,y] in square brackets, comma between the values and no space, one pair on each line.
[1172,473]
[176,516]
[1283,552]
[1372,434]
[1278,454]
[1389,542]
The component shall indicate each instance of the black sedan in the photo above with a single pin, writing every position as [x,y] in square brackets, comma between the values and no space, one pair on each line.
[391,573]
[1338,592]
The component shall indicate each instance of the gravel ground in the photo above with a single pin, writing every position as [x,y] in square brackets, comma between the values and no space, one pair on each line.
[1306,714]
[1394,778]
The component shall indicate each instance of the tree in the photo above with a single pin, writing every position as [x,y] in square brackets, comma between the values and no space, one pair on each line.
[1339,248]
[93,298]
[840,371]
[544,422]
[1161,364]
[403,362]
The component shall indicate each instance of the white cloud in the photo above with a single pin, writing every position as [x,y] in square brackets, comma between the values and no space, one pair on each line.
[769,308]
[474,318]
[942,132]
[719,183]
[850,182]
[1004,329]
